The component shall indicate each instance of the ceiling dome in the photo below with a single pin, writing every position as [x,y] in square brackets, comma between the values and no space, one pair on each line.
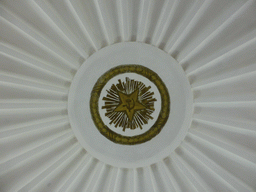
[127,95]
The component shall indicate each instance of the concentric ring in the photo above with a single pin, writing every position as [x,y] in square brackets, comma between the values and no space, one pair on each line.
[171,134]
[161,120]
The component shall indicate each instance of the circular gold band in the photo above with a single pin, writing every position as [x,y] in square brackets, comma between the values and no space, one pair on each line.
[160,122]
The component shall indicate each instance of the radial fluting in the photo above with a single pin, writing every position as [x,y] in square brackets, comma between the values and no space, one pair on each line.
[43,43]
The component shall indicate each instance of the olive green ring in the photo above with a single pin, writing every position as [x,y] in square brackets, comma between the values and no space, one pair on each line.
[163,115]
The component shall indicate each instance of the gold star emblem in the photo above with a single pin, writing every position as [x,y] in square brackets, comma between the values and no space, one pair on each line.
[129,104]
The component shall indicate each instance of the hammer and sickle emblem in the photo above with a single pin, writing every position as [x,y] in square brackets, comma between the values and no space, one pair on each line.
[130,104]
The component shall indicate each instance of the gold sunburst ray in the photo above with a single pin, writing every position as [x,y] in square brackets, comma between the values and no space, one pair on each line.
[129,104]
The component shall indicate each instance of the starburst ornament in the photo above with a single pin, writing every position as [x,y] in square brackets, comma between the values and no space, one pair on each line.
[129,104]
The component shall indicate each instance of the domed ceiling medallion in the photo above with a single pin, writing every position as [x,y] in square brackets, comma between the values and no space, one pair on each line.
[128,98]
[130,104]
[52,54]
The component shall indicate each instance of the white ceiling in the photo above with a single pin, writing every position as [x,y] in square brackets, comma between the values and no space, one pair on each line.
[43,43]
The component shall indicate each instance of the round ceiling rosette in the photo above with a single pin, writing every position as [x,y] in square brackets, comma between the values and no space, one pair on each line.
[124,95]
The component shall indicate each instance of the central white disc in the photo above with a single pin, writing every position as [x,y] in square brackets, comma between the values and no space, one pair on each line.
[117,121]
[125,79]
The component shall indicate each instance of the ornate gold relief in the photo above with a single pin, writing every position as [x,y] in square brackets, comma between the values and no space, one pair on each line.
[129,107]
[129,104]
